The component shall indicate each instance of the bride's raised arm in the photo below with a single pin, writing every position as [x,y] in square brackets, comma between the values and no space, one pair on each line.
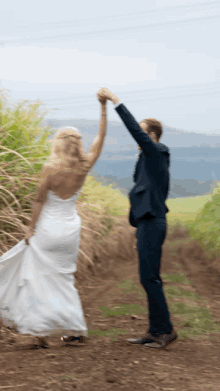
[96,148]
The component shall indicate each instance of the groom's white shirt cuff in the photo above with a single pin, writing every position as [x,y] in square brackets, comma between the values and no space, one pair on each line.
[117,104]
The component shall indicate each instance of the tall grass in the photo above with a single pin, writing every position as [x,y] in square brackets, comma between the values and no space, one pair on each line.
[104,198]
[24,147]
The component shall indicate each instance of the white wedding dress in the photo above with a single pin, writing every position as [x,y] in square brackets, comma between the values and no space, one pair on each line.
[37,292]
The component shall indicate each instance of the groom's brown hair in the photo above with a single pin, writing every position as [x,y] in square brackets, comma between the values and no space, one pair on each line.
[154,126]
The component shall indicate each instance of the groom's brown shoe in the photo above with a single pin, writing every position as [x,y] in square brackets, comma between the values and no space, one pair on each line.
[155,342]
[163,340]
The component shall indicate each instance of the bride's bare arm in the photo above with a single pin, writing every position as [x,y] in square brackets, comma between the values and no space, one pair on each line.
[97,144]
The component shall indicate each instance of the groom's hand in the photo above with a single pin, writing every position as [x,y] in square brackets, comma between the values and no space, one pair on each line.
[105,93]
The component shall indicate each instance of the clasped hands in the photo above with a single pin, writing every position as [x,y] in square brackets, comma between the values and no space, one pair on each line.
[105,94]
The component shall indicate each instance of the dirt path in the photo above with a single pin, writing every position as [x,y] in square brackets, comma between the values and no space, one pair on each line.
[107,363]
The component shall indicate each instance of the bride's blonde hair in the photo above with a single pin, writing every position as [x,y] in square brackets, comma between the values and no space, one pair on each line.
[67,151]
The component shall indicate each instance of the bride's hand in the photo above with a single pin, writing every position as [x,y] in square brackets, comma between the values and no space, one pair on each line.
[105,93]
[101,99]
[29,233]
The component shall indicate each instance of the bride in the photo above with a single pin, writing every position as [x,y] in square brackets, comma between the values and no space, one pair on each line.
[37,293]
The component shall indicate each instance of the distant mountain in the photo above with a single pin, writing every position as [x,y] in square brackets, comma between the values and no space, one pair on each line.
[178,188]
[200,164]
[118,137]
[190,188]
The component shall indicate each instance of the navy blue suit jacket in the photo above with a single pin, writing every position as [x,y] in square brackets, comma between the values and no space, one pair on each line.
[151,175]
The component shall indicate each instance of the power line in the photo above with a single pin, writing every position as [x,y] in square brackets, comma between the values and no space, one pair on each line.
[149,12]
[125,93]
[152,93]
[145,26]
[142,99]
[162,93]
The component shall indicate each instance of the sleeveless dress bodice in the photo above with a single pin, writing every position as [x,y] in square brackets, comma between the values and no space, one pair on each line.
[58,209]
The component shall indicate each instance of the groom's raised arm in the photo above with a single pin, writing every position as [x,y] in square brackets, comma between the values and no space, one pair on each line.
[142,138]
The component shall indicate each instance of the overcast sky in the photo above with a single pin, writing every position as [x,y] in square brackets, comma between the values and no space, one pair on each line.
[160,57]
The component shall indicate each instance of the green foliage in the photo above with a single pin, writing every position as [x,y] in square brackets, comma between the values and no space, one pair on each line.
[185,210]
[23,139]
[181,277]
[201,216]
[195,320]
[104,199]
[128,286]
[174,291]
[206,227]
[24,147]
[122,309]
[107,333]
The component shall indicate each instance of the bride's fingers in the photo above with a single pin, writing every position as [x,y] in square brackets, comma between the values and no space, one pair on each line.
[101,99]
[100,95]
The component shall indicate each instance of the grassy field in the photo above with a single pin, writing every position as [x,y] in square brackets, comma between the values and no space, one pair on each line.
[191,311]
[185,210]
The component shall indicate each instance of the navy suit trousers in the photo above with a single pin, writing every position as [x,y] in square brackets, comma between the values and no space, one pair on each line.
[151,232]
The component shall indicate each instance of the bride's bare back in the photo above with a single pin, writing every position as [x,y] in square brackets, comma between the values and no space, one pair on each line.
[66,184]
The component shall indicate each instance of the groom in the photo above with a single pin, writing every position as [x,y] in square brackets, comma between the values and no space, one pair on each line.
[148,214]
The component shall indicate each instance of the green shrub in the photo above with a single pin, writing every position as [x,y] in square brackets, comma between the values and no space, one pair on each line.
[206,227]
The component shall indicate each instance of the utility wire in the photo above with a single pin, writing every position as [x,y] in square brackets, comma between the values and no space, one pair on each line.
[166,90]
[162,10]
[91,100]
[101,32]
[158,93]
[138,99]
